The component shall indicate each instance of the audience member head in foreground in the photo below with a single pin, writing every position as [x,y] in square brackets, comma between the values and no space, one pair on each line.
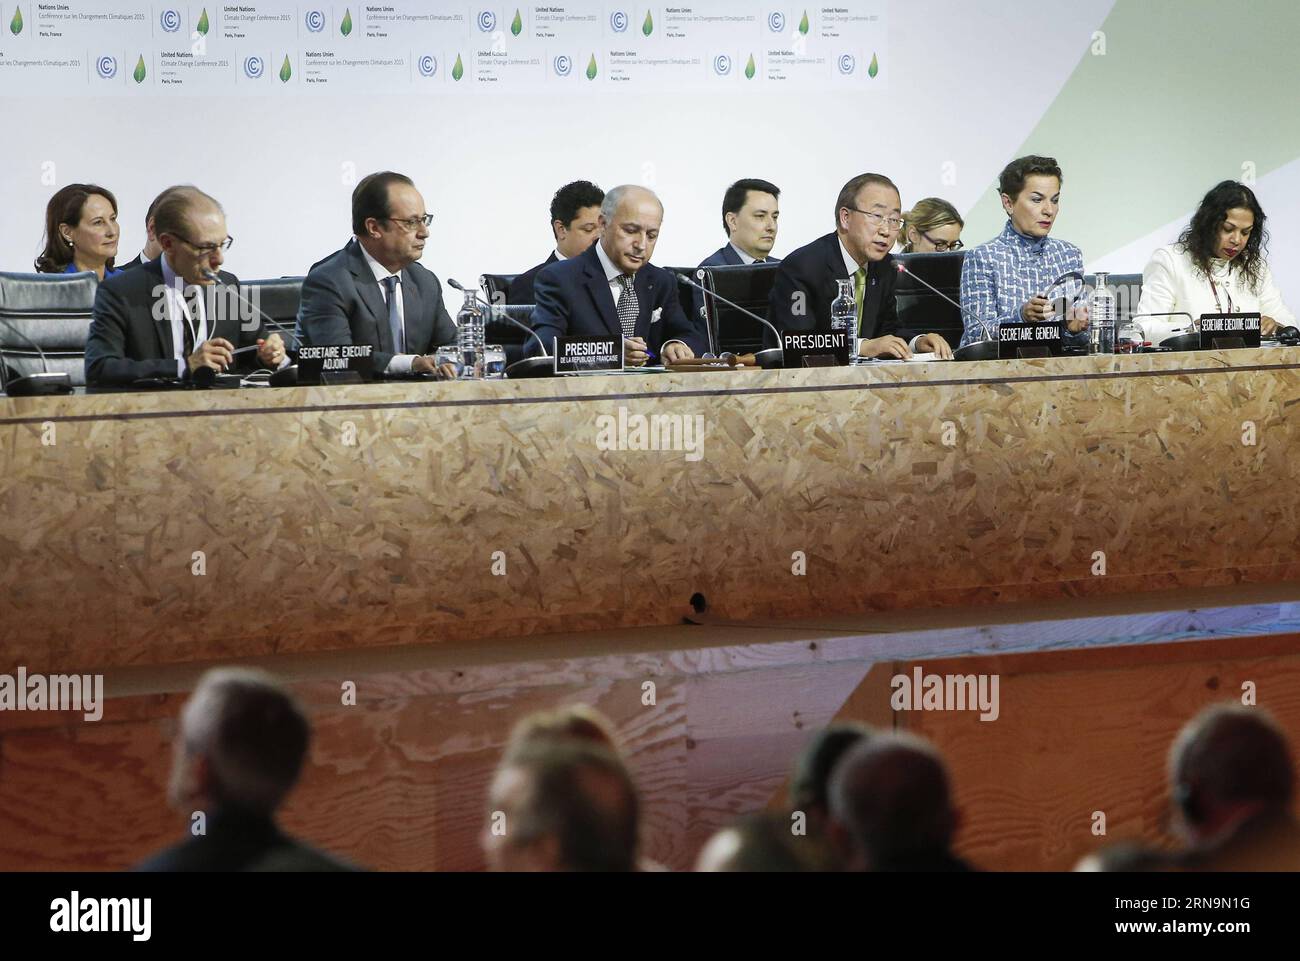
[579,722]
[81,232]
[891,809]
[809,792]
[561,804]
[1231,779]
[763,842]
[239,751]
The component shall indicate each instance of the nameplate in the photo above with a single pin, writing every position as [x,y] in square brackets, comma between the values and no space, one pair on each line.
[1226,331]
[1029,340]
[335,363]
[588,355]
[812,348]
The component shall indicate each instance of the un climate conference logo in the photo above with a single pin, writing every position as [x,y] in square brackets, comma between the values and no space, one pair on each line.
[315,21]
[487,21]
[847,64]
[106,67]
[170,21]
[722,65]
[563,65]
[618,21]
[427,65]
[253,67]
[776,22]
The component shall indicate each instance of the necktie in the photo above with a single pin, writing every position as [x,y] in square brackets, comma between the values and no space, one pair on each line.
[190,323]
[859,293]
[628,306]
[394,317]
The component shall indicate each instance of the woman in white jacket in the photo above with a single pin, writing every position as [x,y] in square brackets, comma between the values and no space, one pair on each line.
[1217,266]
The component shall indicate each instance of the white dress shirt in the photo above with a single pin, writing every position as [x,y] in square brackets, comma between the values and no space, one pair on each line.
[744,257]
[1171,282]
[178,314]
[401,363]
[612,274]
[852,266]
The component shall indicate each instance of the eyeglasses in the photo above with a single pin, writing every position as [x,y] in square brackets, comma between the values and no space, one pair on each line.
[894,224]
[413,223]
[943,246]
[204,250]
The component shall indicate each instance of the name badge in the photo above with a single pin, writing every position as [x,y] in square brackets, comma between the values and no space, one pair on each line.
[335,364]
[1019,340]
[588,355]
[816,348]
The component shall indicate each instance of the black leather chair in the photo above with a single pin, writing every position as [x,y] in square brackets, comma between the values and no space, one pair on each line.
[921,310]
[45,313]
[749,286]
[278,299]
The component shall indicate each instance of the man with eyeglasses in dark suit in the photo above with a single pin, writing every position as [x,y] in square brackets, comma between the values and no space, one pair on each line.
[173,316]
[868,217]
[373,291]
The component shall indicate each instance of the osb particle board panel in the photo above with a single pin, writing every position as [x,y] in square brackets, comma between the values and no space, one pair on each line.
[368,515]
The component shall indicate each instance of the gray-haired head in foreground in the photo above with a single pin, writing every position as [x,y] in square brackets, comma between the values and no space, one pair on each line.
[252,733]
[890,792]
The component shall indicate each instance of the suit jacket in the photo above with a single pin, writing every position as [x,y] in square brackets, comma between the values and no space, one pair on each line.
[574,300]
[726,256]
[126,343]
[521,288]
[136,261]
[342,304]
[813,270]
[242,842]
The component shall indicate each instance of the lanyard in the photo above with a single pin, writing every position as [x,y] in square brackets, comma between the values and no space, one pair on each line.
[1214,289]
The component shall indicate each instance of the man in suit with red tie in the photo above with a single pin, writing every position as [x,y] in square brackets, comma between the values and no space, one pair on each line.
[614,289]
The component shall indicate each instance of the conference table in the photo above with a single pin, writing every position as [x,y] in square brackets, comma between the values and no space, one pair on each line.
[166,527]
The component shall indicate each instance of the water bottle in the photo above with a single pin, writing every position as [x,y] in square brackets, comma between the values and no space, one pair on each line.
[1101,320]
[844,317]
[470,325]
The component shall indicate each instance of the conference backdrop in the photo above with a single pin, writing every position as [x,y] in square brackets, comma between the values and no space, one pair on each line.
[278,108]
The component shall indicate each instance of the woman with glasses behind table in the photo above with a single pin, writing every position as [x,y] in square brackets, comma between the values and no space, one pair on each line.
[933,226]
[81,232]
[1009,279]
[1217,266]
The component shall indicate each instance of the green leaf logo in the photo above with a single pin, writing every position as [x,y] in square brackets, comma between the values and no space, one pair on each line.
[458,70]
[203,22]
[874,68]
[16,24]
[591,68]
[517,24]
[749,68]
[649,26]
[803,24]
[139,70]
[346,26]
[286,71]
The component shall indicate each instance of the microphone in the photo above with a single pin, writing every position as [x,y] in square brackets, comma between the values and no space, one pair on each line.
[901,267]
[34,385]
[207,376]
[682,278]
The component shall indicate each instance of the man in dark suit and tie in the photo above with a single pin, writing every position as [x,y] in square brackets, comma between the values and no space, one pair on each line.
[239,750]
[168,318]
[750,211]
[373,291]
[575,223]
[613,289]
[868,217]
